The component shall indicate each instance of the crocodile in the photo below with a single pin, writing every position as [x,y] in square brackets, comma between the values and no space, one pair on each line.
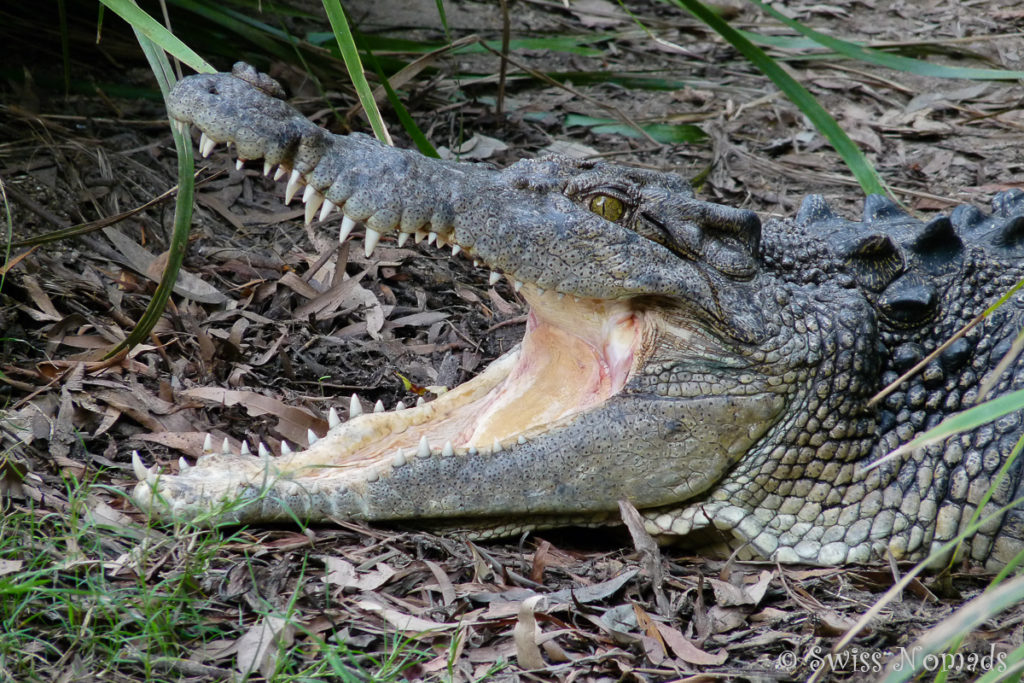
[714,371]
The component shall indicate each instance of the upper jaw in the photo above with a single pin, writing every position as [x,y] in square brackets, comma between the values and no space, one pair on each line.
[517,221]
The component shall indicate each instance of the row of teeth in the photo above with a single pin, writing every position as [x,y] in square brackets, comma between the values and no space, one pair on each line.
[315,200]
[423,449]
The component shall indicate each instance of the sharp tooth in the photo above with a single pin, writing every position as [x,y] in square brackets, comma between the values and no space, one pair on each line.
[279,173]
[472,450]
[456,249]
[183,465]
[208,444]
[448,451]
[420,401]
[370,242]
[311,437]
[400,406]
[517,285]
[399,458]
[378,407]
[206,145]
[263,451]
[355,408]
[267,167]
[138,467]
[432,237]
[313,199]
[521,440]
[403,237]
[423,451]
[496,447]
[418,236]
[293,186]
[332,418]
[441,241]
[346,229]
[493,279]
[326,209]
[541,290]
[225,447]
[476,263]
[286,450]
[245,448]
[239,164]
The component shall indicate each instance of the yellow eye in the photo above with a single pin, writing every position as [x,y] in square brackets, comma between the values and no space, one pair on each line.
[607,207]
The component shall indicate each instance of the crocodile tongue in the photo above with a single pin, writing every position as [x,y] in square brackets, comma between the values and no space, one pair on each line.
[574,356]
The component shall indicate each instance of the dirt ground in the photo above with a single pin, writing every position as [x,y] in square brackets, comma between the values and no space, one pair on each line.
[252,349]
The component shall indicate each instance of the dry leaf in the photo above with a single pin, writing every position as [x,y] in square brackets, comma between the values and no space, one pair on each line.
[526,632]
[401,621]
[259,646]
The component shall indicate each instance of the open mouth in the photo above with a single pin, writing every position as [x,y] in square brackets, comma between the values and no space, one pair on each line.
[575,355]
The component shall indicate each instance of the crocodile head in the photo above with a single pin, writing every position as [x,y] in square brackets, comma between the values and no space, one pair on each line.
[643,374]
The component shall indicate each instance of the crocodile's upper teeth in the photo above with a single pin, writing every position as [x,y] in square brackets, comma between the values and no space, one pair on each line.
[312,199]
[326,209]
[346,229]
[239,164]
[279,173]
[206,145]
[456,249]
[493,279]
[403,237]
[267,167]
[419,236]
[372,238]
[293,186]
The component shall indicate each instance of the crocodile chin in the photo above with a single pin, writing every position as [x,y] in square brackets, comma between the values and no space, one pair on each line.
[574,356]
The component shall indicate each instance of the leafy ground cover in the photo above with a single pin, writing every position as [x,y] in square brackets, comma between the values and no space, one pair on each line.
[261,340]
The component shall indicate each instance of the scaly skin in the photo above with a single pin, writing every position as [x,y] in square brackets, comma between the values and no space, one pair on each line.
[673,358]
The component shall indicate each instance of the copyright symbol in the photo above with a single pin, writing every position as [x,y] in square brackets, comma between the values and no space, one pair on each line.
[787,661]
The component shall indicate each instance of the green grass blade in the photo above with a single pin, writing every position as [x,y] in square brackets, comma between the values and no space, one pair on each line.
[151,29]
[349,53]
[963,421]
[858,164]
[890,61]
[414,132]
[182,211]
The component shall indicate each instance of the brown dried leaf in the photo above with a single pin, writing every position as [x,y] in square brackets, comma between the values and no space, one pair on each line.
[526,632]
[406,623]
[293,422]
[259,646]
[687,651]
[10,566]
[343,574]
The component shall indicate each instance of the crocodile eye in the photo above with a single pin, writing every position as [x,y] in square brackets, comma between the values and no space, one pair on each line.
[607,207]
